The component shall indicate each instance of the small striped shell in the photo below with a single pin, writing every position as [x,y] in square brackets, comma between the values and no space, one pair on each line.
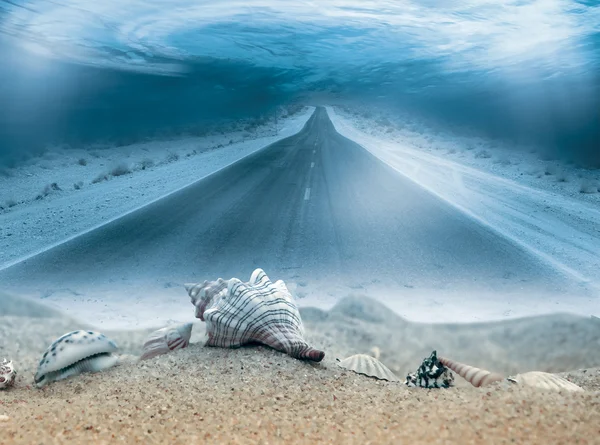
[205,295]
[166,340]
[257,311]
[544,380]
[8,374]
[475,376]
[369,366]
[75,353]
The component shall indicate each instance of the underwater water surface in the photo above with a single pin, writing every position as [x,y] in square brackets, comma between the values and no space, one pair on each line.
[78,71]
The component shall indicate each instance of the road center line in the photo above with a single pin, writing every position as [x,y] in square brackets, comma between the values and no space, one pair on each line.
[307,194]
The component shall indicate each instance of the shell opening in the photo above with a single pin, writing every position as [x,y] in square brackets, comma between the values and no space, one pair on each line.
[41,380]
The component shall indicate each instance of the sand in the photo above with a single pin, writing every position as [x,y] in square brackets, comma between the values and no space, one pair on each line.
[257,395]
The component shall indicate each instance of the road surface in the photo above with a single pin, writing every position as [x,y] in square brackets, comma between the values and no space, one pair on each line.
[316,210]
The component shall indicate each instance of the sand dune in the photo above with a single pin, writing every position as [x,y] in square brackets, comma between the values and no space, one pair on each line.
[257,395]
[550,343]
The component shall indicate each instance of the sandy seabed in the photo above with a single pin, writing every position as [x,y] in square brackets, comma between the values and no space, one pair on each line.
[257,395]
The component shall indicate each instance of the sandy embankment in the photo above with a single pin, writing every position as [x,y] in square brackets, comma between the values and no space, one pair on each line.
[257,395]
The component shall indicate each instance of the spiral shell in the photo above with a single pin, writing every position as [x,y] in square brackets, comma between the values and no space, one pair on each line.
[7,374]
[475,376]
[431,374]
[258,311]
[166,340]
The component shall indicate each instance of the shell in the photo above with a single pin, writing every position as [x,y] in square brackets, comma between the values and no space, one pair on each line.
[206,294]
[258,311]
[166,339]
[369,366]
[431,374]
[543,380]
[74,353]
[475,376]
[375,352]
[8,374]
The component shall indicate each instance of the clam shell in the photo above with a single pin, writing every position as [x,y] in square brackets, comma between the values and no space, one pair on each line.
[475,376]
[257,311]
[544,380]
[74,353]
[166,340]
[8,374]
[369,366]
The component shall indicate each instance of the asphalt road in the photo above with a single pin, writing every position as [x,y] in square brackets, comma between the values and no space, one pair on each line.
[314,207]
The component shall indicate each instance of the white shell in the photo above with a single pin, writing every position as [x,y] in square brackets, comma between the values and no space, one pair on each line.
[167,339]
[475,376]
[207,294]
[238,313]
[544,380]
[369,366]
[8,374]
[375,352]
[74,353]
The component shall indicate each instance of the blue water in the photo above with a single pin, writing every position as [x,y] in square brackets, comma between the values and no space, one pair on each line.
[76,71]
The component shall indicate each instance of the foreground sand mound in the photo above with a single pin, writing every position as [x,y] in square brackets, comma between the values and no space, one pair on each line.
[258,395]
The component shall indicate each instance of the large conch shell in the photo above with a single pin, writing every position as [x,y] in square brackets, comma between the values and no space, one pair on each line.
[536,379]
[74,353]
[475,376]
[166,340]
[369,366]
[8,374]
[238,313]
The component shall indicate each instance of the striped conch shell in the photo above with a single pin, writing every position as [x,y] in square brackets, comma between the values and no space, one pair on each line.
[74,353]
[238,313]
[166,340]
[8,374]
[475,376]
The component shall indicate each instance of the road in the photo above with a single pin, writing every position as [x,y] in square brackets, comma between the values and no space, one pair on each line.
[314,209]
